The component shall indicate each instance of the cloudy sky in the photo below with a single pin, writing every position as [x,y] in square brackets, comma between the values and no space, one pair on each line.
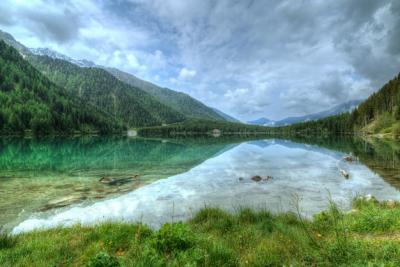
[248,58]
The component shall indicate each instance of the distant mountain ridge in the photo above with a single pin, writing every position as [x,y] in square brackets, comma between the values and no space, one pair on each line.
[226,116]
[10,40]
[135,107]
[338,109]
[182,104]
[53,54]
[179,101]
[262,121]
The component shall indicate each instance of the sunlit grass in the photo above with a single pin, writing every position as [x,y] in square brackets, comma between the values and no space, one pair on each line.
[369,235]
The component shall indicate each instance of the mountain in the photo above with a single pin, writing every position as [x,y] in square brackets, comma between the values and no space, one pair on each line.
[178,101]
[338,109]
[53,54]
[98,87]
[9,39]
[378,114]
[226,116]
[181,102]
[29,101]
[262,121]
[146,106]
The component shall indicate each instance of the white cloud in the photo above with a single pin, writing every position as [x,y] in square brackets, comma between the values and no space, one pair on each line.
[186,74]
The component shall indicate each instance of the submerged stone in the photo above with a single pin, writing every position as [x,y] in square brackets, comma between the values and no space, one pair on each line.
[256,178]
[117,181]
[63,202]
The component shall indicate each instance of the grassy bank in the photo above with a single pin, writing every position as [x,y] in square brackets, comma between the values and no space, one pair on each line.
[369,235]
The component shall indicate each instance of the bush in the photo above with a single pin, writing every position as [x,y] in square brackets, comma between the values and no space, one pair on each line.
[103,260]
[173,237]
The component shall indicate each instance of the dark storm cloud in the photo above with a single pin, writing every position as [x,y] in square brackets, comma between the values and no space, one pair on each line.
[61,26]
[54,21]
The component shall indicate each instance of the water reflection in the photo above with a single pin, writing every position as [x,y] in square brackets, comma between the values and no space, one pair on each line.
[381,156]
[298,169]
[38,175]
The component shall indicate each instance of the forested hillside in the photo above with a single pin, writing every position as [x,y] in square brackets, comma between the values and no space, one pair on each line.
[101,89]
[29,101]
[181,102]
[173,102]
[381,111]
[379,114]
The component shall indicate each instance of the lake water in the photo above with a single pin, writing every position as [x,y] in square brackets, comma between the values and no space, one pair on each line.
[55,182]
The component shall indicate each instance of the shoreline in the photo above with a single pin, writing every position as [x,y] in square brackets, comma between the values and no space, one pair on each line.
[368,234]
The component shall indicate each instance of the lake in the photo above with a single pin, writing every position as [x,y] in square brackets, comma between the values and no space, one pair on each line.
[58,181]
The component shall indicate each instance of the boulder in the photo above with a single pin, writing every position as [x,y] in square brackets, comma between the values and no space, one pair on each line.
[349,158]
[345,174]
[256,178]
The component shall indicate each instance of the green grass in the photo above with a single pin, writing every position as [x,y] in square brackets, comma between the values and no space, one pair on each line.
[369,235]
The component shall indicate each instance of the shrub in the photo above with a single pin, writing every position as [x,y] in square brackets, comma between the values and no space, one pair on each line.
[102,259]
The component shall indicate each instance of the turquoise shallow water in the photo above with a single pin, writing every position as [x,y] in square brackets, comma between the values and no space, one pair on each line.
[177,177]
[41,175]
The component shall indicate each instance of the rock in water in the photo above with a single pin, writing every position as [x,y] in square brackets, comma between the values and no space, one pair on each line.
[256,178]
[349,158]
[345,174]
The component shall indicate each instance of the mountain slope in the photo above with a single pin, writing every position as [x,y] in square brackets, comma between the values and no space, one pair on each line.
[53,54]
[101,89]
[226,116]
[262,121]
[338,109]
[29,101]
[9,39]
[378,114]
[181,102]
[98,87]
